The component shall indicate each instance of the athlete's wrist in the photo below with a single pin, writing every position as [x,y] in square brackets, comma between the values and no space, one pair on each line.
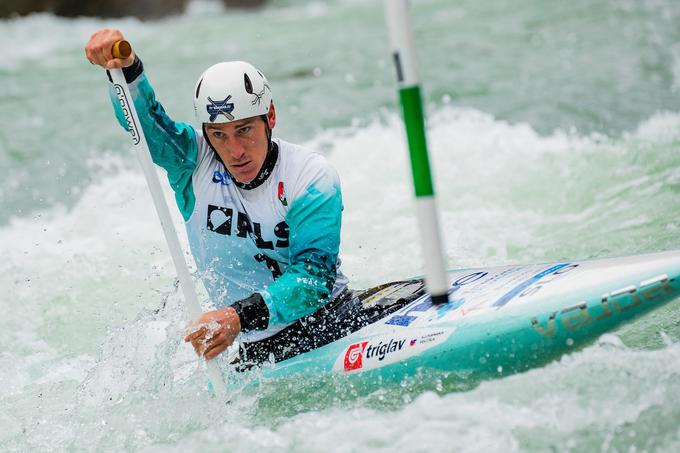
[231,317]
[131,72]
[134,70]
[252,312]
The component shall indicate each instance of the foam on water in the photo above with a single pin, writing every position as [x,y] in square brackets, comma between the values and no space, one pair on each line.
[91,351]
[596,400]
[507,193]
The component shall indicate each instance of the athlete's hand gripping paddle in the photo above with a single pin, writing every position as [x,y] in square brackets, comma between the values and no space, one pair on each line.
[122,49]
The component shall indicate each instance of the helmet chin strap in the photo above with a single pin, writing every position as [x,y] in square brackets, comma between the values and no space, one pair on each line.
[268,130]
[205,136]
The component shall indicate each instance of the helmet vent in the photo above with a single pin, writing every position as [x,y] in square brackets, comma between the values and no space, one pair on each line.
[198,87]
[248,83]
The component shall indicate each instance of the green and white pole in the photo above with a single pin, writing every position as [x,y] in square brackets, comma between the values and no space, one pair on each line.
[404,54]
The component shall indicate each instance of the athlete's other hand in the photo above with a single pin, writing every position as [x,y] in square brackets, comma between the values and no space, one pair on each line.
[213,332]
[98,49]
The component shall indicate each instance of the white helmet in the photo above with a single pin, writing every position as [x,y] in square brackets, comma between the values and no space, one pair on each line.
[231,91]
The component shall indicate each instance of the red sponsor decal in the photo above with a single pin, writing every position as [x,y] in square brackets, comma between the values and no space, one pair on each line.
[354,356]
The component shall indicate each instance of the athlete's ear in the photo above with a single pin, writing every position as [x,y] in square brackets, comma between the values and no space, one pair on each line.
[271,116]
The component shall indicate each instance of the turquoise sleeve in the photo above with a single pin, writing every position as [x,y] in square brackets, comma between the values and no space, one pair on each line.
[173,144]
[314,220]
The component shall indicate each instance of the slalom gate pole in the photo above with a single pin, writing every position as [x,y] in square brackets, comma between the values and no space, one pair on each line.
[404,55]
[122,49]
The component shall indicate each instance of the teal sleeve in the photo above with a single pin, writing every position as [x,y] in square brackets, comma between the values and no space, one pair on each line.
[173,144]
[314,220]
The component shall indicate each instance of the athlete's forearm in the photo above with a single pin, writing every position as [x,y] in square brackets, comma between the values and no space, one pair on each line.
[314,220]
[172,144]
[304,288]
[300,291]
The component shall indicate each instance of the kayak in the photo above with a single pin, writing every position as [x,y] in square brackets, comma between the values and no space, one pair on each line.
[498,321]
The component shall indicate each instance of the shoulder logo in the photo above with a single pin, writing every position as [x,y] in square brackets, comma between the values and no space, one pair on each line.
[217,108]
[282,194]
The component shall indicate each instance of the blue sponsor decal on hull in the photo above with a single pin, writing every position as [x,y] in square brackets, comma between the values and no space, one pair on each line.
[507,297]
[405,320]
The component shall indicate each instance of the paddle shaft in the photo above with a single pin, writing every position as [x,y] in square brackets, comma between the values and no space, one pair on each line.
[404,55]
[122,49]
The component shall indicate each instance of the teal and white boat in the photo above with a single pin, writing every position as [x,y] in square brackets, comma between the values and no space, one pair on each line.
[498,320]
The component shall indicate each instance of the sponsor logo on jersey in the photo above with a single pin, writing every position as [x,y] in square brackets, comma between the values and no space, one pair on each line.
[217,108]
[354,356]
[282,194]
[221,178]
[221,219]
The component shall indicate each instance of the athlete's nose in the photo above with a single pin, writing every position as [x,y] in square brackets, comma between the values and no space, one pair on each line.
[236,149]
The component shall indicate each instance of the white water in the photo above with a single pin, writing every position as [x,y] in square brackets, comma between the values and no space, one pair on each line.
[84,356]
[90,324]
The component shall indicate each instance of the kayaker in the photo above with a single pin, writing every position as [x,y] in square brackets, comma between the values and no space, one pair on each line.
[262,215]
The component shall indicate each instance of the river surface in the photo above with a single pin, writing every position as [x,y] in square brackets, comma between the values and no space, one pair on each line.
[554,132]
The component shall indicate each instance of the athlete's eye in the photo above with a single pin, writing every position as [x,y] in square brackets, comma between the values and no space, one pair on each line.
[244,130]
[217,134]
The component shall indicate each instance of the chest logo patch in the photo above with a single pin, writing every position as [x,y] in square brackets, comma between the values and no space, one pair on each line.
[221,178]
[282,194]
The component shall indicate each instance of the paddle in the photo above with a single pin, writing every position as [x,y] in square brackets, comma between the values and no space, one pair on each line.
[123,49]
[404,55]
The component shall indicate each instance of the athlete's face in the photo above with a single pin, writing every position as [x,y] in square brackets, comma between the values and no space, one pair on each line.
[242,145]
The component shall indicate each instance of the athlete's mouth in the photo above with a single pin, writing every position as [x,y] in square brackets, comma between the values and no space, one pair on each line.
[241,165]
